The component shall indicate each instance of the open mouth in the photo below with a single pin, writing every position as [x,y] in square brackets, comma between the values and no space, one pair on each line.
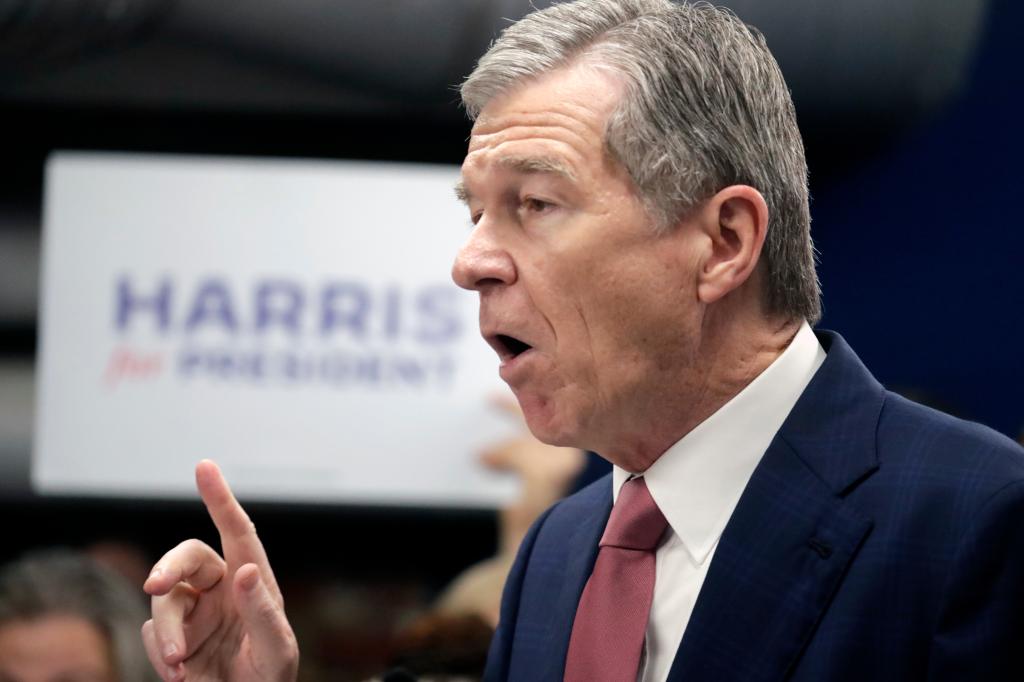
[509,346]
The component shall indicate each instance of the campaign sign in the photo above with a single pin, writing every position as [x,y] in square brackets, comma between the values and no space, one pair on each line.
[294,320]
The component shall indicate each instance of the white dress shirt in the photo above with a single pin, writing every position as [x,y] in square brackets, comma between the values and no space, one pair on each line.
[697,484]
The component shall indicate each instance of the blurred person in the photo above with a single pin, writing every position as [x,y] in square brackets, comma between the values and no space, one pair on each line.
[65,618]
[546,474]
[440,648]
[452,639]
[124,558]
[642,254]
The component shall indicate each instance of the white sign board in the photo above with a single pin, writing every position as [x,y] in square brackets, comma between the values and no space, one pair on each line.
[294,320]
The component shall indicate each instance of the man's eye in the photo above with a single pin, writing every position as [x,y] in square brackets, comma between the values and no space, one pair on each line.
[532,205]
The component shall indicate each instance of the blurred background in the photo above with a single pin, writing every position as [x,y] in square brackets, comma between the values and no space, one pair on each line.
[910,111]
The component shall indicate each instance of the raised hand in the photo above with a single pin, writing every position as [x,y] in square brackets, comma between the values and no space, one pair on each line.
[546,473]
[219,618]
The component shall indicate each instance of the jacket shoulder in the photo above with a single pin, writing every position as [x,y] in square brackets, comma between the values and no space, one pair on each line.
[946,447]
[583,503]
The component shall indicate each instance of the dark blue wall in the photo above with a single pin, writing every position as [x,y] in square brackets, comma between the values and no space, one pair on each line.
[922,247]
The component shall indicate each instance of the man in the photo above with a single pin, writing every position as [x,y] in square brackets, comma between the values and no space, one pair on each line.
[65,618]
[642,254]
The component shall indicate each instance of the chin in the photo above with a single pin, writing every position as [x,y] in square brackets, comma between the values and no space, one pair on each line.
[548,426]
[556,438]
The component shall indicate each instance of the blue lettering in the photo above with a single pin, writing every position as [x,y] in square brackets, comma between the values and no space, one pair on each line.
[392,312]
[129,302]
[189,362]
[345,306]
[212,304]
[410,371]
[439,319]
[368,369]
[279,303]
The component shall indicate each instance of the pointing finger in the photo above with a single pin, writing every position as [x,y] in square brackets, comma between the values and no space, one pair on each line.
[237,533]
[227,514]
[273,641]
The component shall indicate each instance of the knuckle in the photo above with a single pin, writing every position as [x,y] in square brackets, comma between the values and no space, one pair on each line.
[283,668]
[291,651]
[194,546]
[183,593]
[267,612]
[288,661]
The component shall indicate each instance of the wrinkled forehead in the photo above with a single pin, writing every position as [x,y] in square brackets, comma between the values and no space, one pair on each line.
[555,123]
[583,86]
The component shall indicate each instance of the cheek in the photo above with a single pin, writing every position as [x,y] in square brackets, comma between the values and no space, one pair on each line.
[639,323]
[630,300]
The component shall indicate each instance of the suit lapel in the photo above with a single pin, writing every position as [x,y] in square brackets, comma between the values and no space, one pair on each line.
[780,559]
[791,538]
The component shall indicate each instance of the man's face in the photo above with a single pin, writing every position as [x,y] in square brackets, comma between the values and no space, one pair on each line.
[587,306]
[54,648]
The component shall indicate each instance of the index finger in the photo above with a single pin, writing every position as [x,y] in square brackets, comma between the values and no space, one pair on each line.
[238,538]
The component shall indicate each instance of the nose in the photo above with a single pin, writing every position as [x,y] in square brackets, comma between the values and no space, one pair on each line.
[482,263]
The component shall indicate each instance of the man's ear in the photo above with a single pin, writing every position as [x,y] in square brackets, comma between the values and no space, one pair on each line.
[735,222]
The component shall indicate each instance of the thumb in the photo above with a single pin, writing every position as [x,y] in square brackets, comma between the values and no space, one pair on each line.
[274,652]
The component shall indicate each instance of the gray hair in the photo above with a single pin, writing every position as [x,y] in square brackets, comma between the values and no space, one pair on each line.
[705,107]
[64,582]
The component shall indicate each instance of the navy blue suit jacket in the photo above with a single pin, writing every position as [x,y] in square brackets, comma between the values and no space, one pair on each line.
[877,540]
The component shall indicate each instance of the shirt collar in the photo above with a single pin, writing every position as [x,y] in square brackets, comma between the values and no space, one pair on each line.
[698,481]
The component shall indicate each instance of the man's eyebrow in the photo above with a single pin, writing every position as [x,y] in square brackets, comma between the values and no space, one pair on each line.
[522,164]
[537,164]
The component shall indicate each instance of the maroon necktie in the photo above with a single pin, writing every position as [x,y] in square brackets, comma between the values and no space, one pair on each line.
[611,620]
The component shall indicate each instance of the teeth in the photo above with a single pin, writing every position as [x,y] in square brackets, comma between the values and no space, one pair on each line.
[513,345]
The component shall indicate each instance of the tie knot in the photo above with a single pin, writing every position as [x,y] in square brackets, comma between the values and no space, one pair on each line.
[636,522]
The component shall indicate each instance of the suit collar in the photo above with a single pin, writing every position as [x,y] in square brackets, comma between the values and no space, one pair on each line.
[832,426]
[698,481]
[791,539]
